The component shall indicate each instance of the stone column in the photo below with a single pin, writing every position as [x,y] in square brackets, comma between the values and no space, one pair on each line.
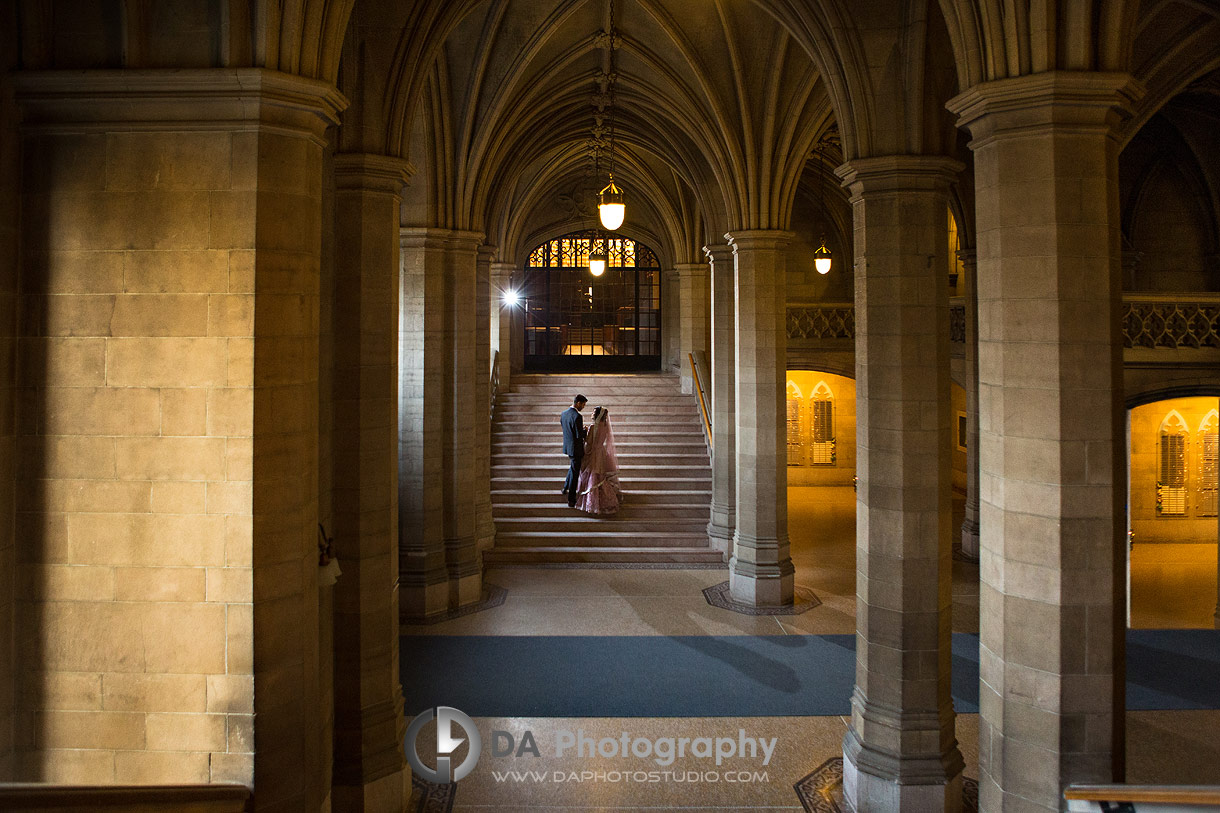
[423,576]
[502,319]
[900,752]
[171,254]
[1050,423]
[484,528]
[724,400]
[970,523]
[369,766]
[671,320]
[760,569]
[461,406]
[693,283]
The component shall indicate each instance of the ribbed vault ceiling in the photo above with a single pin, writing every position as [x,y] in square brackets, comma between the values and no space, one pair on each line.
[717,110]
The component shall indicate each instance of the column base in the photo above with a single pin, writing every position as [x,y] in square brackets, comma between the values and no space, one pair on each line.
[387,793]
[762,585]
[864,792]
[721,537]
[423,602]
[970,539]
[465,589]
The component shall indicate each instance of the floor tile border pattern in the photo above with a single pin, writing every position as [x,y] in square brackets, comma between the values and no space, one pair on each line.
[718,596]
[822,790]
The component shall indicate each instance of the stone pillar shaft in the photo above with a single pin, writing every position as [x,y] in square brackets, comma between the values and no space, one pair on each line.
[502,320]
[1050,418]
[485,529]
[970,522]
[693,282]
[900,752]
[461,407]
[368,695]
[424,579]
[760,570]
[724,400]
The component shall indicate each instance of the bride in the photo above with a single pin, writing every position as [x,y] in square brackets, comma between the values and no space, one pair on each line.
[598,489]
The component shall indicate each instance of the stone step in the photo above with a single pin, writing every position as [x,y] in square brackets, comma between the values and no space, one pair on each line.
[635,415]
[626,473]
[663,460]
[638,433]
[506,497]
[660,512]
[626,461]
[555,554]
[624,447]
[579,535]
[630,484]
[596,399]
[622,526]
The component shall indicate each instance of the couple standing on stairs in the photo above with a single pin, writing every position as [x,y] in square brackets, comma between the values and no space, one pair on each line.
[592,484]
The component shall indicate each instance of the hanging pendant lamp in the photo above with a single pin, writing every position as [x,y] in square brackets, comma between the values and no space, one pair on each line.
[610,207]
[597,256]
[822,258]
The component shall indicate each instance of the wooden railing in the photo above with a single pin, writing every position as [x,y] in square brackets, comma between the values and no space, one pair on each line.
[1121,798]
[707,418]
[38,798]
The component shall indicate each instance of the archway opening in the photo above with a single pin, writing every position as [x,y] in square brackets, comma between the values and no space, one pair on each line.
[579,321]
[1173,517]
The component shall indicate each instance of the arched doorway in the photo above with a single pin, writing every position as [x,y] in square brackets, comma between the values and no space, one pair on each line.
[578,321]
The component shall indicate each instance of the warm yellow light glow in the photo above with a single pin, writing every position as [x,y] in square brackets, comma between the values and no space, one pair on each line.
[612,215]
[822,259]
[610,206]
[597,266]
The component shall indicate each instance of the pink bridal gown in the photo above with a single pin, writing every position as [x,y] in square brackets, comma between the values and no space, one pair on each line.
[599,491]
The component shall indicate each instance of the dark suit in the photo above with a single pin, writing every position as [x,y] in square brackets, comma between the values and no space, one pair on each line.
[574,447]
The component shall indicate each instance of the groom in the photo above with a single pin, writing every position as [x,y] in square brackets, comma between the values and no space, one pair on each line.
[573,445]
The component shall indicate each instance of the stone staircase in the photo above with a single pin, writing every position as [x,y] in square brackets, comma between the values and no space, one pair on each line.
[663,468]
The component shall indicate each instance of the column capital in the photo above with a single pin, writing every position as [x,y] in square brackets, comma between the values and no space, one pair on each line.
[372,173]
[758,240]
[969,258]
[899,173]
[691,269]
[718,253]
[466,241]
[428,237]
[487,253]
[420,237]
[167,100]
[502,270]
[1078,100]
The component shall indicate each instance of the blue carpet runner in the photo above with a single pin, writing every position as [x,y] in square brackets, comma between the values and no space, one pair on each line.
[733,676]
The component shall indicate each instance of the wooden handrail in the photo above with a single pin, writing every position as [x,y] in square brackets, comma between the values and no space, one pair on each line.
[31,797]
[1146,794]
[707,423]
